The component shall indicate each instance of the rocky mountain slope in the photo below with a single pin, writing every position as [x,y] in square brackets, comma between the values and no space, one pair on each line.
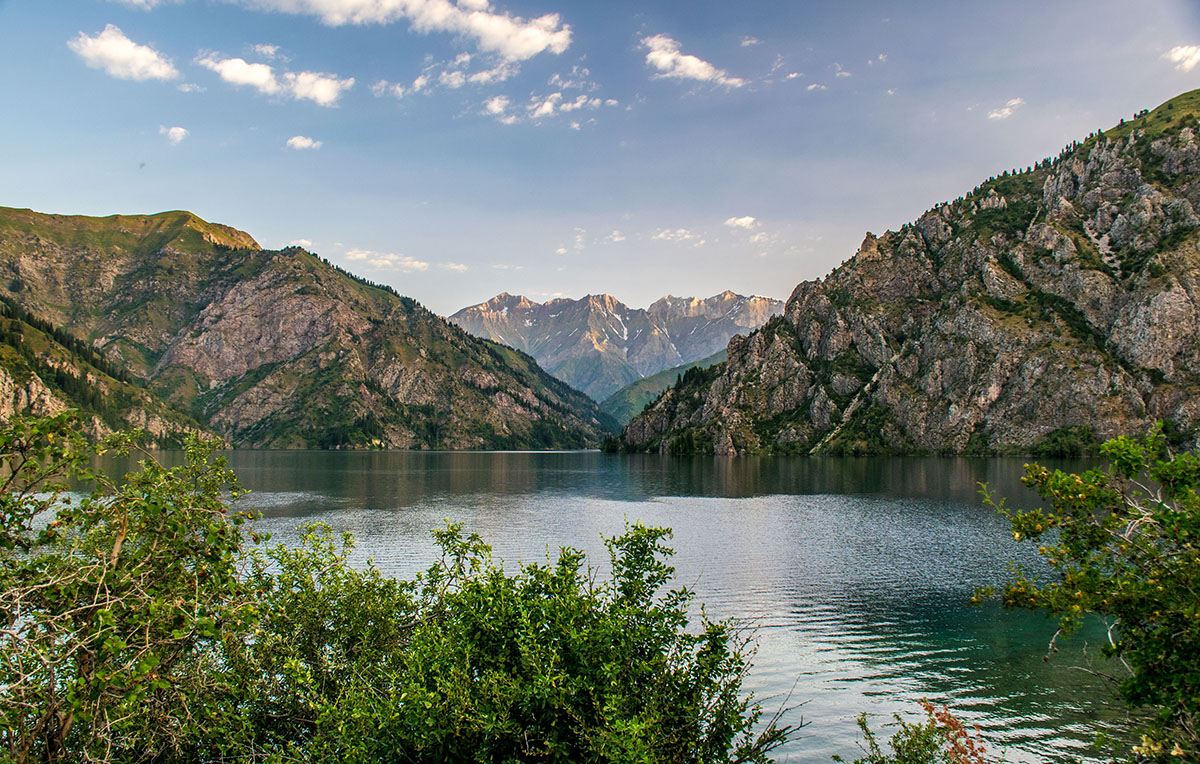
[44,370]
[599,345]
[279,348]
[1048,307]
[626,403]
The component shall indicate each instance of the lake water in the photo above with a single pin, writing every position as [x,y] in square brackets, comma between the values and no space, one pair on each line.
[856,572]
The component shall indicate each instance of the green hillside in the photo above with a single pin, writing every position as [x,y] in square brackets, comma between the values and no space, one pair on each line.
[629,401]
[278,349]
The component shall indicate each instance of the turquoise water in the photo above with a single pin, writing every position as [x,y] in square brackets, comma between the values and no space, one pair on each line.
[855,572]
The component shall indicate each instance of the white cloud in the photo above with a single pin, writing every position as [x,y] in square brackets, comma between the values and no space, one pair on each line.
[616,237]
[881,58]
[840,71]
[1185,57]
[559,251]
[760,238]
[748,41]
[237,71]
[388,260]
[816,86]
[495,74]
[544,107]
[496,105]
[674,235]
[267,51]
[581,102]
[792,75]
[321,88]
[307,244]
[457,267]
[507,267]
[1007,110]
[383,87]
[511,37]
[121,57]
[746,222]
[190,87]
[665,56]
[175,135]
[303,143]
[452,79]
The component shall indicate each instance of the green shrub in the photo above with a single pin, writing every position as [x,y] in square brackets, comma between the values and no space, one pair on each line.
[940,739]
[136,627]
[1123,544]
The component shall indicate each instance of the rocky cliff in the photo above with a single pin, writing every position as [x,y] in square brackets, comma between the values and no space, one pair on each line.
[599,345]
[279,348]
[1049,307]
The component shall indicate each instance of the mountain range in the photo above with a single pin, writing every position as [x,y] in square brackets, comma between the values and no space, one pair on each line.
[1051,306]
[598,345]
[270,348]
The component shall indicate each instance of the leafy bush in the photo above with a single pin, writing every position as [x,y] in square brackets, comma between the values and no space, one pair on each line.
[941,739]
[136,627]
[103,608]
[1124,544]
[469,663]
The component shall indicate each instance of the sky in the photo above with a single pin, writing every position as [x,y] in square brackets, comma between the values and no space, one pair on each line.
[555,148]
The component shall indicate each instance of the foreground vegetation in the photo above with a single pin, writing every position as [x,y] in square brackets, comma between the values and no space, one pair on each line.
[1124,544]
[143,623]
[146,622]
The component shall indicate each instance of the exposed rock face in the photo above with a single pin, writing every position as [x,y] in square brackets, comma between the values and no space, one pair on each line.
[278,348]
[1065,296]
[599,345]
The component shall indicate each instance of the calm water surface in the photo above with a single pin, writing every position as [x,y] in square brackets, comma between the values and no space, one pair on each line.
[856,572]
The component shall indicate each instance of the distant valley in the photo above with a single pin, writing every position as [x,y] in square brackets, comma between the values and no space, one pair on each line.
[599,345]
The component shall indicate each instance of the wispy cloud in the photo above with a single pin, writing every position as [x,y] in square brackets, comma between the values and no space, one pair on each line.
[141,5]
[266,51]
[666,57]
[1006,111]
[748,41]
[323,89]
[306,243]
[456,267]
[121,57]
[1185,57]
[677,236]
[511,37]
[452,74]
[303,143]
[389,260]
[816,86]
[175,135]
[497,106]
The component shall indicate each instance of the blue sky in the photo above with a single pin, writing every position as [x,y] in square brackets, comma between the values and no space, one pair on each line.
[553,148]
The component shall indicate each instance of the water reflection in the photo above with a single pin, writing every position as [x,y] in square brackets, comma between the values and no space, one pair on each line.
[856,572]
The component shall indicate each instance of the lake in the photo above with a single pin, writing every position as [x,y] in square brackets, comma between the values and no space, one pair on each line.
[856,572]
